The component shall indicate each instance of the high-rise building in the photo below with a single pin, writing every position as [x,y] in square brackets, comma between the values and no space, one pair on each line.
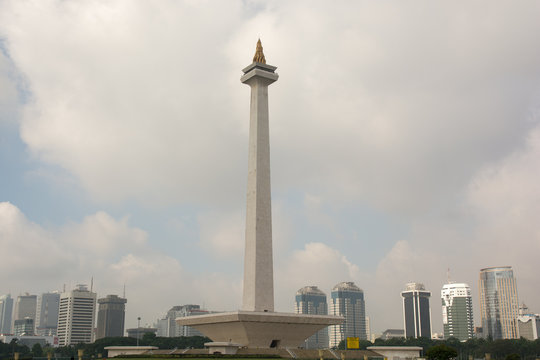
[6,310]
[76,316]
[457,311]
[25,307]
[498,303]
[23,327]
[528,323]
[311,300]
[111,315]
[347,301]
[47,314]
[416,311]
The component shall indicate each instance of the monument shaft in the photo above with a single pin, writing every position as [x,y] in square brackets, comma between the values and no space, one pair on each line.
[258,264]
[257,325]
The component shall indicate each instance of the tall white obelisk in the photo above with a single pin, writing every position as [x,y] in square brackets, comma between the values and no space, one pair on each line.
[258,267]
[257,325]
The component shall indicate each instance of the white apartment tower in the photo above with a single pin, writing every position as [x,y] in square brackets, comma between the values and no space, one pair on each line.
[76,316]
[457,311]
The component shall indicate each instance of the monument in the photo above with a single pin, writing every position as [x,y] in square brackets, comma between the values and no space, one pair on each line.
[256,325]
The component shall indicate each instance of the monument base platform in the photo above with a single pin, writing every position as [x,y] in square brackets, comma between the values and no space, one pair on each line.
[259,329]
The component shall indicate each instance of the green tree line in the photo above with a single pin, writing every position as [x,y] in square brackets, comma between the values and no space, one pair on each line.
[97,348]
[477,348]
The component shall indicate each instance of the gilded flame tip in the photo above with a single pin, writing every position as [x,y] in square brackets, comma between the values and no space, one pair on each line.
[259,55]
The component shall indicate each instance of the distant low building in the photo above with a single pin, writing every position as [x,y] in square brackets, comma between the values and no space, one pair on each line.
[392,334]
[528,323]
[140,331]
[31,340]
[397,352]
[23,327]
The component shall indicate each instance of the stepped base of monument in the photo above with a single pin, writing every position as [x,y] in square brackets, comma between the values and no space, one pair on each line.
[259,329]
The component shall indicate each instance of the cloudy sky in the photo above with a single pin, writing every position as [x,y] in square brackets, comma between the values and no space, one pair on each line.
[405,140]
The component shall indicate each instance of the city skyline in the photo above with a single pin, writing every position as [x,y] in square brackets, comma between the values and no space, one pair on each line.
[405,141]
[456,297]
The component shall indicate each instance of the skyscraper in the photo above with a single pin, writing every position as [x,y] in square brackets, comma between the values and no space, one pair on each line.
[347,301]
[25,307]
[311,300]
[111,315]
[76,316]
[498,302]
[47,313]
[416,311]
[457,311]
[6,310]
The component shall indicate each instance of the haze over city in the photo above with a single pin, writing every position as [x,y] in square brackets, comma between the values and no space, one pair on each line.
[405,142]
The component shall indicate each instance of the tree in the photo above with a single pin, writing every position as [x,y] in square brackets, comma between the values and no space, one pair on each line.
[37,350]
[441,352]
[513,356]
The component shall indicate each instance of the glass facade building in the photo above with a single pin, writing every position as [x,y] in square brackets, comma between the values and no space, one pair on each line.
[457,311]
[416,311]
[348,301]
[111,316]
[310,300]
[48,305]
[498,303]
[6,309]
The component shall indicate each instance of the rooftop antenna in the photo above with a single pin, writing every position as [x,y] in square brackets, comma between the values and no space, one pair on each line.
[64,288]
[448,276]
[124,295]
[91,284]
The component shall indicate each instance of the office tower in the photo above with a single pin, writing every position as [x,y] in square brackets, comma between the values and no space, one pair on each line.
[111,315]
[169,326]
[457,311]
[311,300]
[498,303]
[47,314]
[76,316]
[347,301]
[23,327]
[416,311]
[6,310]
[25,307]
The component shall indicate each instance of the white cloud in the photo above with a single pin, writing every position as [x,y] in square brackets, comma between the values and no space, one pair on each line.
[385,105]
[142,101]
[114,253]
[223,233]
